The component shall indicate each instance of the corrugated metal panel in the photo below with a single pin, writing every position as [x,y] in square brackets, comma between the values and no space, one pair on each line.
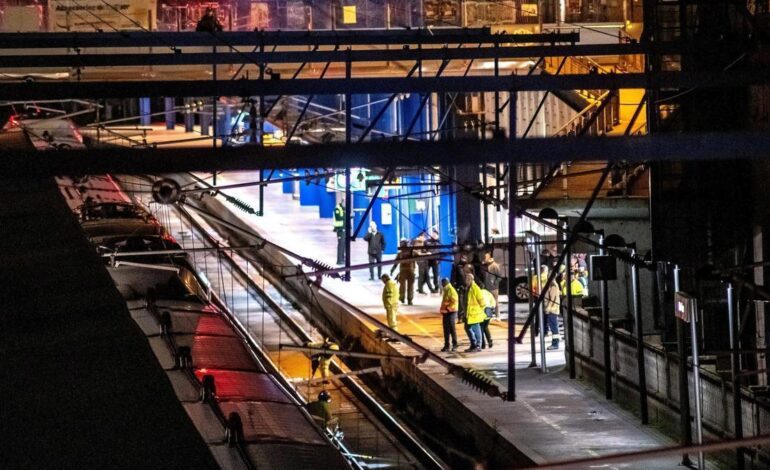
[274,421]
[217,352]
[237,385]
[295,456]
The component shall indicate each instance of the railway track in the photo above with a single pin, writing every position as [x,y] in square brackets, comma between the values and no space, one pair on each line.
[373,437]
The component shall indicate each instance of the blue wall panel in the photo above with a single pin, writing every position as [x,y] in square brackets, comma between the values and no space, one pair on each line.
[327,201]
[287,186]
[308,193]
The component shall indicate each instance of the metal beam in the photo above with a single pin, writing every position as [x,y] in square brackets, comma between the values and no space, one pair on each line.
[271,38]
[355,85]
[662,147]
[121,58]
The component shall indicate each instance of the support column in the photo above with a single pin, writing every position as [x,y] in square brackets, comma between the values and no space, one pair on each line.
[468,207]
[570,308]
[512,205]
[189,117]
[144,111]
[168,104]
[684,393]
[639,332]
[735,370]
[606,330]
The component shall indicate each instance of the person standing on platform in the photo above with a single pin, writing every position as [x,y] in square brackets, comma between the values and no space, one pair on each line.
[339,229]
[475,314]
[422,266]
[405,273]
[489,312]
[320,410]
[432,245]
[209,22]
[492,279]
[376,245]
[322,360]
[552,303]
[448,310]
[390,301]
[460,269]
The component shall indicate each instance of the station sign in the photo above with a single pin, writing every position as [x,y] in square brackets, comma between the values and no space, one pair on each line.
[685,306]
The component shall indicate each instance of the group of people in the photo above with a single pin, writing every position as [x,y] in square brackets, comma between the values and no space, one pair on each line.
[463,300]
[557,288]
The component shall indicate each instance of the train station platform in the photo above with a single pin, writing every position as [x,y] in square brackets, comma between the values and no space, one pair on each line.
[553,418]
[80,385]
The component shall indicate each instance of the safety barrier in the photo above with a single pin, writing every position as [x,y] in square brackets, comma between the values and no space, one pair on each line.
[663,382]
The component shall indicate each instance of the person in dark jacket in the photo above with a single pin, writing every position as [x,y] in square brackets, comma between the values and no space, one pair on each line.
[405,272]
[376,245]
[432,246]
[209,22]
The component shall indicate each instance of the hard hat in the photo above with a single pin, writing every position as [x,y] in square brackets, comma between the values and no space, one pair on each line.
[324,396]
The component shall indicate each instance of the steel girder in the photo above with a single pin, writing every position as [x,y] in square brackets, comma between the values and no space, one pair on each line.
[274,38]
[659,147]
[336,86]
[124,58]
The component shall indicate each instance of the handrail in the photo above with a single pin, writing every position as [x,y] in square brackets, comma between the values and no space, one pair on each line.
[581,113]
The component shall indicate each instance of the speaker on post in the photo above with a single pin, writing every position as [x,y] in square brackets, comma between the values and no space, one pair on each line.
[603,268]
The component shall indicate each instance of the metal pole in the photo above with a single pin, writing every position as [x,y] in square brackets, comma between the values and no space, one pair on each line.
[348,195]
[734,338]
[485,200]
[696,383]
[530,276]
[348,209]
[512,203]
[512,281]
[570,309]
[261,194]
[214,100]
[638,329]
[540,311]
[606,330]
[684,395]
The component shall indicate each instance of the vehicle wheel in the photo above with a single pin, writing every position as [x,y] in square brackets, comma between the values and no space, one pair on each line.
[522,289]
[30,79]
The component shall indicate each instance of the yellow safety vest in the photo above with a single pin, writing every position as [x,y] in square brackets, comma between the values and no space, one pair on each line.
[476,305]
[339,217]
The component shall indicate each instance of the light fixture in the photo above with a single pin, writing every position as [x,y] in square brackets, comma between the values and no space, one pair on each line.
[360,177]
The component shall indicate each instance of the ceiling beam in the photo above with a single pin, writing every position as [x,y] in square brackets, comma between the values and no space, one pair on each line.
[668,147]
[121,58]
[274,38]
[332,86]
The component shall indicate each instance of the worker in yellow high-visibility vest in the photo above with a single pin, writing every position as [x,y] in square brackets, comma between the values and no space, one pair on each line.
[390,300]
[339,229]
